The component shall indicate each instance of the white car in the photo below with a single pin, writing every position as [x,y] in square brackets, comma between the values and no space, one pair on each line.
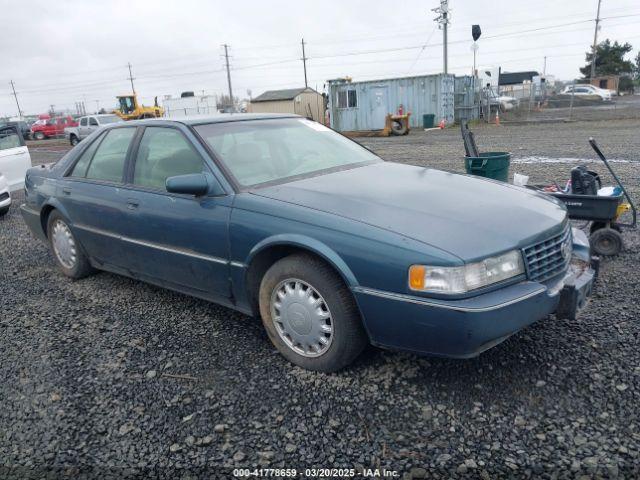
[586,90]
[14,163]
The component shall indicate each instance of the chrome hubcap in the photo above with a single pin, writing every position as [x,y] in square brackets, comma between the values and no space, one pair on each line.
[301,318]
[64,245]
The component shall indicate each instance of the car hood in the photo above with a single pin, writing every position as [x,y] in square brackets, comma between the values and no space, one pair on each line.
[463,215]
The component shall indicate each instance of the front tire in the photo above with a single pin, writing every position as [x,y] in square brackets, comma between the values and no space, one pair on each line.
[66,250]
[74,140]
[310,314]
[38,136]
[4,210]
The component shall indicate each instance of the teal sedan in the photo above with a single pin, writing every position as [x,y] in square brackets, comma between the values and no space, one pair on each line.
[280,217]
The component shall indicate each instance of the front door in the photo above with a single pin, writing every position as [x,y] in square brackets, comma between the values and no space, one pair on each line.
[379,108]
[14,157]
[180,240]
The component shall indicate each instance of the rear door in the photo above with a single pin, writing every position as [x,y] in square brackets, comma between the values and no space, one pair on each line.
[83,129]
[14,157]
[93,125]
[181,240]
[93,197]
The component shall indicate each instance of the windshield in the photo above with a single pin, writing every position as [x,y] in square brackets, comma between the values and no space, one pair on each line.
[261,151]
[103,119]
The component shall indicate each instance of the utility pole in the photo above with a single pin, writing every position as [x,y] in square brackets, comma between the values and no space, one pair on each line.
[304,63]
[443,19]
[15,95]
[226,60]
[544,69]
[594,50]
[97,106]
[131,78]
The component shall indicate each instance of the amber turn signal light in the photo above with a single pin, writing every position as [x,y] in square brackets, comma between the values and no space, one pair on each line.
[416,277]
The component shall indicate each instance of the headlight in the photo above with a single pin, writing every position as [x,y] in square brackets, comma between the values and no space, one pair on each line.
[424,278]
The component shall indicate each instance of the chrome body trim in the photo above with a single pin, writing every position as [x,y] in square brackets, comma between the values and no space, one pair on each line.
[157,246]
[429,303]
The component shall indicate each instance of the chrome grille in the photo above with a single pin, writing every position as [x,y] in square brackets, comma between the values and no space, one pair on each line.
[547,259]
[3,196]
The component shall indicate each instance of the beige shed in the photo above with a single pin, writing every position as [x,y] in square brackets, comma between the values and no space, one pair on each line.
[301,101]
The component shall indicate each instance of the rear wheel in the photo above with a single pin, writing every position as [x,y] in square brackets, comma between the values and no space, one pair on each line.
[310,315]
[606,242]
[65,248]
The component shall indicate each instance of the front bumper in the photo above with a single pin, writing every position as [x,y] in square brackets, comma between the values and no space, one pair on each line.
[465,328]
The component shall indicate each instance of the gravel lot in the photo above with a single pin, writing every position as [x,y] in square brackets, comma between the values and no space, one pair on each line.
[112,378]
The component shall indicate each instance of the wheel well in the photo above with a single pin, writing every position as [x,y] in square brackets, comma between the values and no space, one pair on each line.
[44,218]
[263,261]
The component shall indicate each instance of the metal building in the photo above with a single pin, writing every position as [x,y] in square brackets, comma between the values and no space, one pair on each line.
[362,106]
[301,101]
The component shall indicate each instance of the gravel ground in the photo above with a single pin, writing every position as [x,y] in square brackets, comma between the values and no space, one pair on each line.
[112,378]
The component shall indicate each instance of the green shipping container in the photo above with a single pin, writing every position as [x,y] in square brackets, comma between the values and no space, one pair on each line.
[493,165]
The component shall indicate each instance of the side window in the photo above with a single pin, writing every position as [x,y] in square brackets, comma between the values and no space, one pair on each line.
[93,122]
[9,138]
[163,153]
[83,122]
[353,99]
[80,168]
[108,162]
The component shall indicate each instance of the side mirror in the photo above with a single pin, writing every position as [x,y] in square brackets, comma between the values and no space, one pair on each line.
[197,184]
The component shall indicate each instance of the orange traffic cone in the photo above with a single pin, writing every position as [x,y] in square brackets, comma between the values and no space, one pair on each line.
[497,118]
[441,126]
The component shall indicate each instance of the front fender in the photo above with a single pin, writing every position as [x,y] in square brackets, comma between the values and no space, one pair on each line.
[307,243]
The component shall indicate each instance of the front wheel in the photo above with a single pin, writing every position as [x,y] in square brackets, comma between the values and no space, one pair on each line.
[310,314]
[66,250]
[39,136]
[74,140]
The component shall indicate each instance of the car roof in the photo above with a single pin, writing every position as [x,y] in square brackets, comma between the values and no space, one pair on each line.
[220,118]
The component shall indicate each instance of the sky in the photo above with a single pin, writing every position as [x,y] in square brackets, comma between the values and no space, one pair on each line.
[60,53]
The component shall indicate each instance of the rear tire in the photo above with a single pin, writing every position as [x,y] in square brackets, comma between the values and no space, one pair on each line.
[606,242]
[300,295]
[66,250]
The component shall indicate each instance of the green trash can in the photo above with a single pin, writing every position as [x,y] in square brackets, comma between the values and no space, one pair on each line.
[428,120]
[493,165]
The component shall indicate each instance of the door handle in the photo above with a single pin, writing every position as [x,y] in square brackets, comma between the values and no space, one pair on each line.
[132,204]
[66,191]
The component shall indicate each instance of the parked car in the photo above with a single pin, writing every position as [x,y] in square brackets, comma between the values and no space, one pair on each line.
[24,127]
[587,90]
[52,127]
[279,216]
[87,125]
[14,163]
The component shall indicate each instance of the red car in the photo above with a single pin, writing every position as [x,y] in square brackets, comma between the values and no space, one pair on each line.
[51,127]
